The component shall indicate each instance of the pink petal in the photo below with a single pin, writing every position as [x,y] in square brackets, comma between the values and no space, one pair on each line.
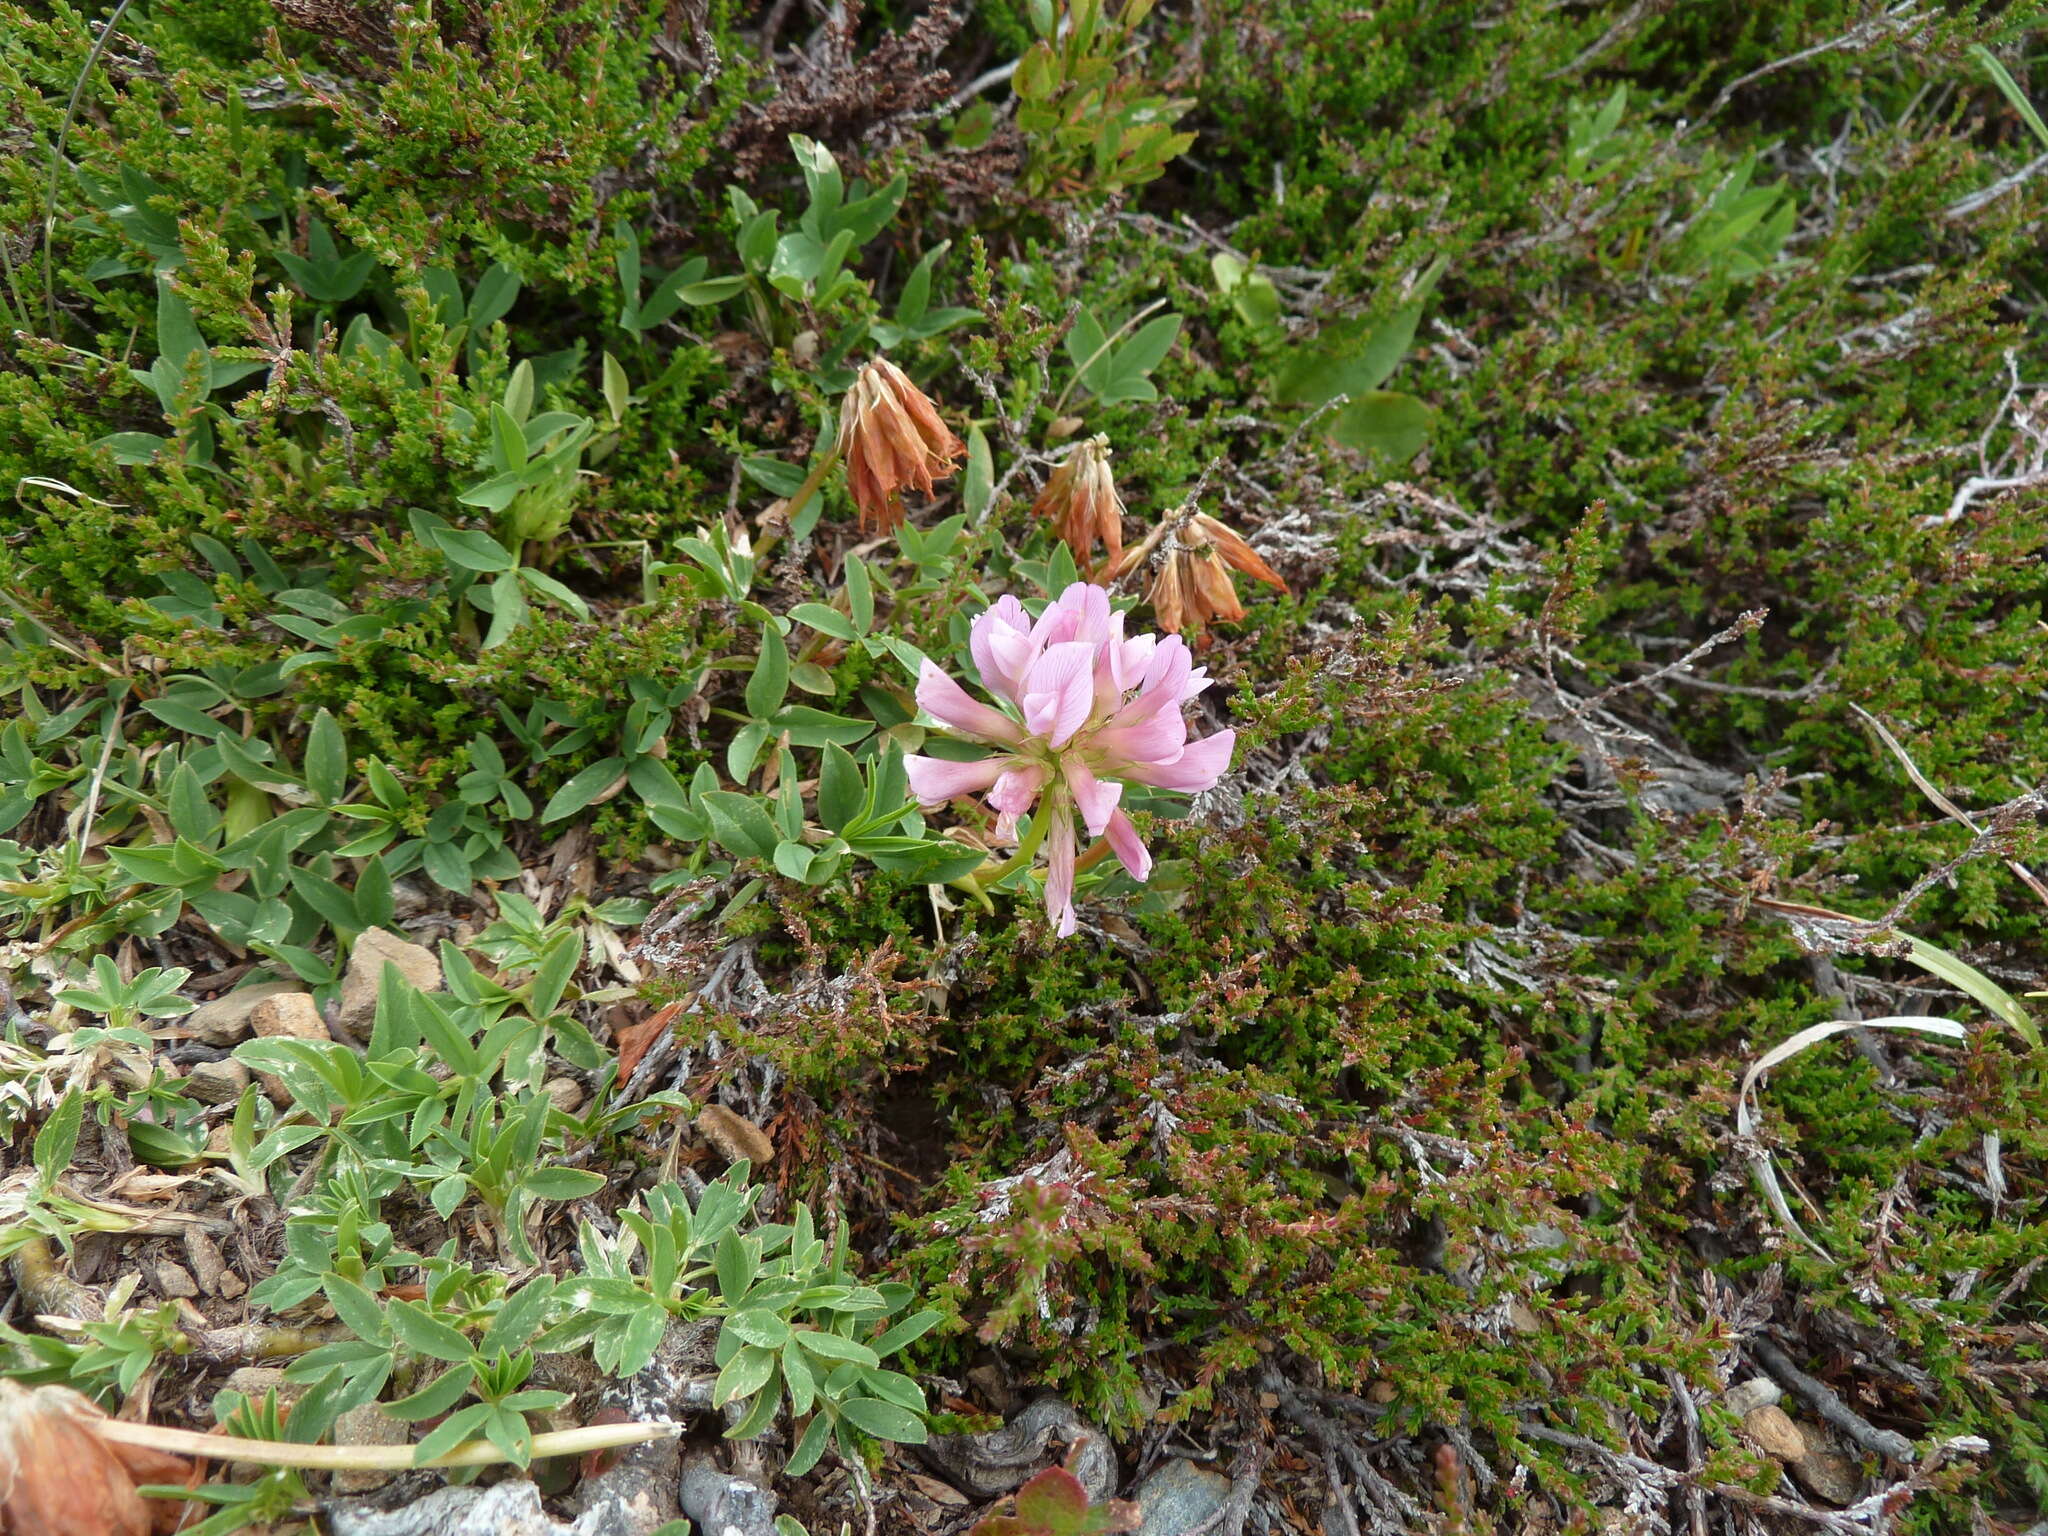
[1125,844]
[1059,692]
[1197,768]
[945,700]
[1000,642]
[1018,788]
[1059,871]
[1148,741]
[1094,799]
[1089,605]
[935,781]
[1171,670]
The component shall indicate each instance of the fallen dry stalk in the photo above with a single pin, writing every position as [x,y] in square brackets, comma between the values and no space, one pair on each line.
[377,1458]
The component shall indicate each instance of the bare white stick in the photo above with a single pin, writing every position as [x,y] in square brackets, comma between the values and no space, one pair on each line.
[375,1458]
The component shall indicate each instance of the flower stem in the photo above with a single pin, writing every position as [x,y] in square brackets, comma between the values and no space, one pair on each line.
[1092,857]
[991,875]
[803,494]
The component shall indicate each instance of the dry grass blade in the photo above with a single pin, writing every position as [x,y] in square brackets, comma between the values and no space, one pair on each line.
[1958,973]
[1934,960]
[1942,802]
[1785,1050]
[2010,88]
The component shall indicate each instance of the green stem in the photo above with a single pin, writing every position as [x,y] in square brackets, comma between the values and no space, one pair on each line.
[989,876]
[1092,857]
[804,493]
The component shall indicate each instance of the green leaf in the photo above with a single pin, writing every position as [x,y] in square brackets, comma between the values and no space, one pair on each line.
[423,1333]
[579,792]
[1354,356]
[808,727]
[618,393]
[519,1319]
[132,447]
[177,333]
[436,1397]
[326,761]
[911,1328]
[860,594]
[508,441]
[885,1421]
[831,1346]
[471,548]
[978,489]
[826,620]
[840,790]
[756,1326]
[734,1262]
[740,824]
[1038,73]
[57,1139]
[562,1183]
[452,1431]
[358,1310]
[495,292]
[183,717]
[810,1448]
[1384,422]
[770,681]
[554,591]
[745,1374]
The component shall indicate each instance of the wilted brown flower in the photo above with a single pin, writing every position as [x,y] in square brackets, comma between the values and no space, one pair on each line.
[1081,502]
[1192,586]
[890,436]
[59,1477]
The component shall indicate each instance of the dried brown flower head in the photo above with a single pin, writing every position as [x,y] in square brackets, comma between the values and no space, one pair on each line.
[890,436]
[1081,502]
[59,1477]
[1192,586]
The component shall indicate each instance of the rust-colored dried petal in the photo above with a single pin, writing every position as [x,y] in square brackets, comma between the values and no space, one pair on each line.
[1080,500]
[890,436]
[1235,552]
[1210,578]
[59,1478]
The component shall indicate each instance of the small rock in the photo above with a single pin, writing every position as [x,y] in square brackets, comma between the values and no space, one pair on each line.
[1522,1317]
[374,949]
[1179,1498]
[225,1020]
[288,1016]
[230,1285]
[736,1137]
[1757,1392]
[1774,1433]
[217,1082]
[503,1509]
[367,1425]
[720,1502]
[203,1254]
[1381,1392]
[566,1093]
[1829,1476]
[174,1281]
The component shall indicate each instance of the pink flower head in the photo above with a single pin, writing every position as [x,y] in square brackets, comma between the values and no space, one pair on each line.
[1088,711]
